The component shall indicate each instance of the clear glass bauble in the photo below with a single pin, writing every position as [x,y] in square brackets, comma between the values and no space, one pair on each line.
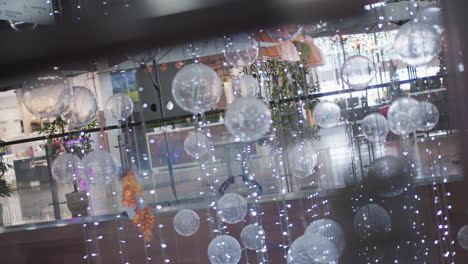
[120,106]
[68,167]
[241,50]
[321,250]
[386,177]
[401,116]
[83,108]
[196,88]
[375,127]
[245,86]
[327,114]
[248,119]
[302,158]
[427,118]
[328,229]
[417,43]
[47,95]
[224,249]
[462,237]
[253,237]
[431,15]
[232,208]
[186,222]
[196,144]
[357,72]
[285,32]
[371,221]
[102,167]
[299,252]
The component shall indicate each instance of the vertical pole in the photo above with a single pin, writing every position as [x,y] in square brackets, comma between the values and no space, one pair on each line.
[53,184]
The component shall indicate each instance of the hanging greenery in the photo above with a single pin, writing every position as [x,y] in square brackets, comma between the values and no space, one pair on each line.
[287,80]
[5,188]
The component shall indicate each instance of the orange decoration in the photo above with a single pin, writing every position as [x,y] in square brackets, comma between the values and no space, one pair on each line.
[131,187]
[144,219]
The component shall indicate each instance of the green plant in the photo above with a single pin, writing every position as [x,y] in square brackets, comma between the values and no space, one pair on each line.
[75,142]
[5,188]
[288,80]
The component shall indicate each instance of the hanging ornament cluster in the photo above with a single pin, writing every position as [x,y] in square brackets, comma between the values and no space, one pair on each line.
[322,242]
[386,177]
[97,167]
[253,237]
[241,50]
[120,106]
[51,95]
[186,222]
[47,95]
[68,167]
[102,167]
[248,119]
[302,159]
[407,115]
[418,42]
[134,197]
[327,114]
[375,127]
[245,86]
[372,221]
[224,249]
[196,144]
[357,72]
[82,109]
[196,88]
[232,208]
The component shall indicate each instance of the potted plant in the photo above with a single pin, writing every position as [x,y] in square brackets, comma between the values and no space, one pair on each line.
[78,144]
[5,188]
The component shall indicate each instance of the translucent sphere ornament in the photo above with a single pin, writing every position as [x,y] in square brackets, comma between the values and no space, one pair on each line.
[386,177]
[299,252]
[246,86]
[241,50]
[285,32]
[357,72]
[232,208]
[375,127]
[186,222]
[47,95]
[417,43]
[68,167]
[462,237]
[253,237]
[327,229]
[224,249]
[120,106]
[321,250]
[196,144]
[248,119]
[83,108]
[327,114]
[427,118]
[401,114]
[196,88]
[372,221]
[102,167]
[302,158]
[431,15]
